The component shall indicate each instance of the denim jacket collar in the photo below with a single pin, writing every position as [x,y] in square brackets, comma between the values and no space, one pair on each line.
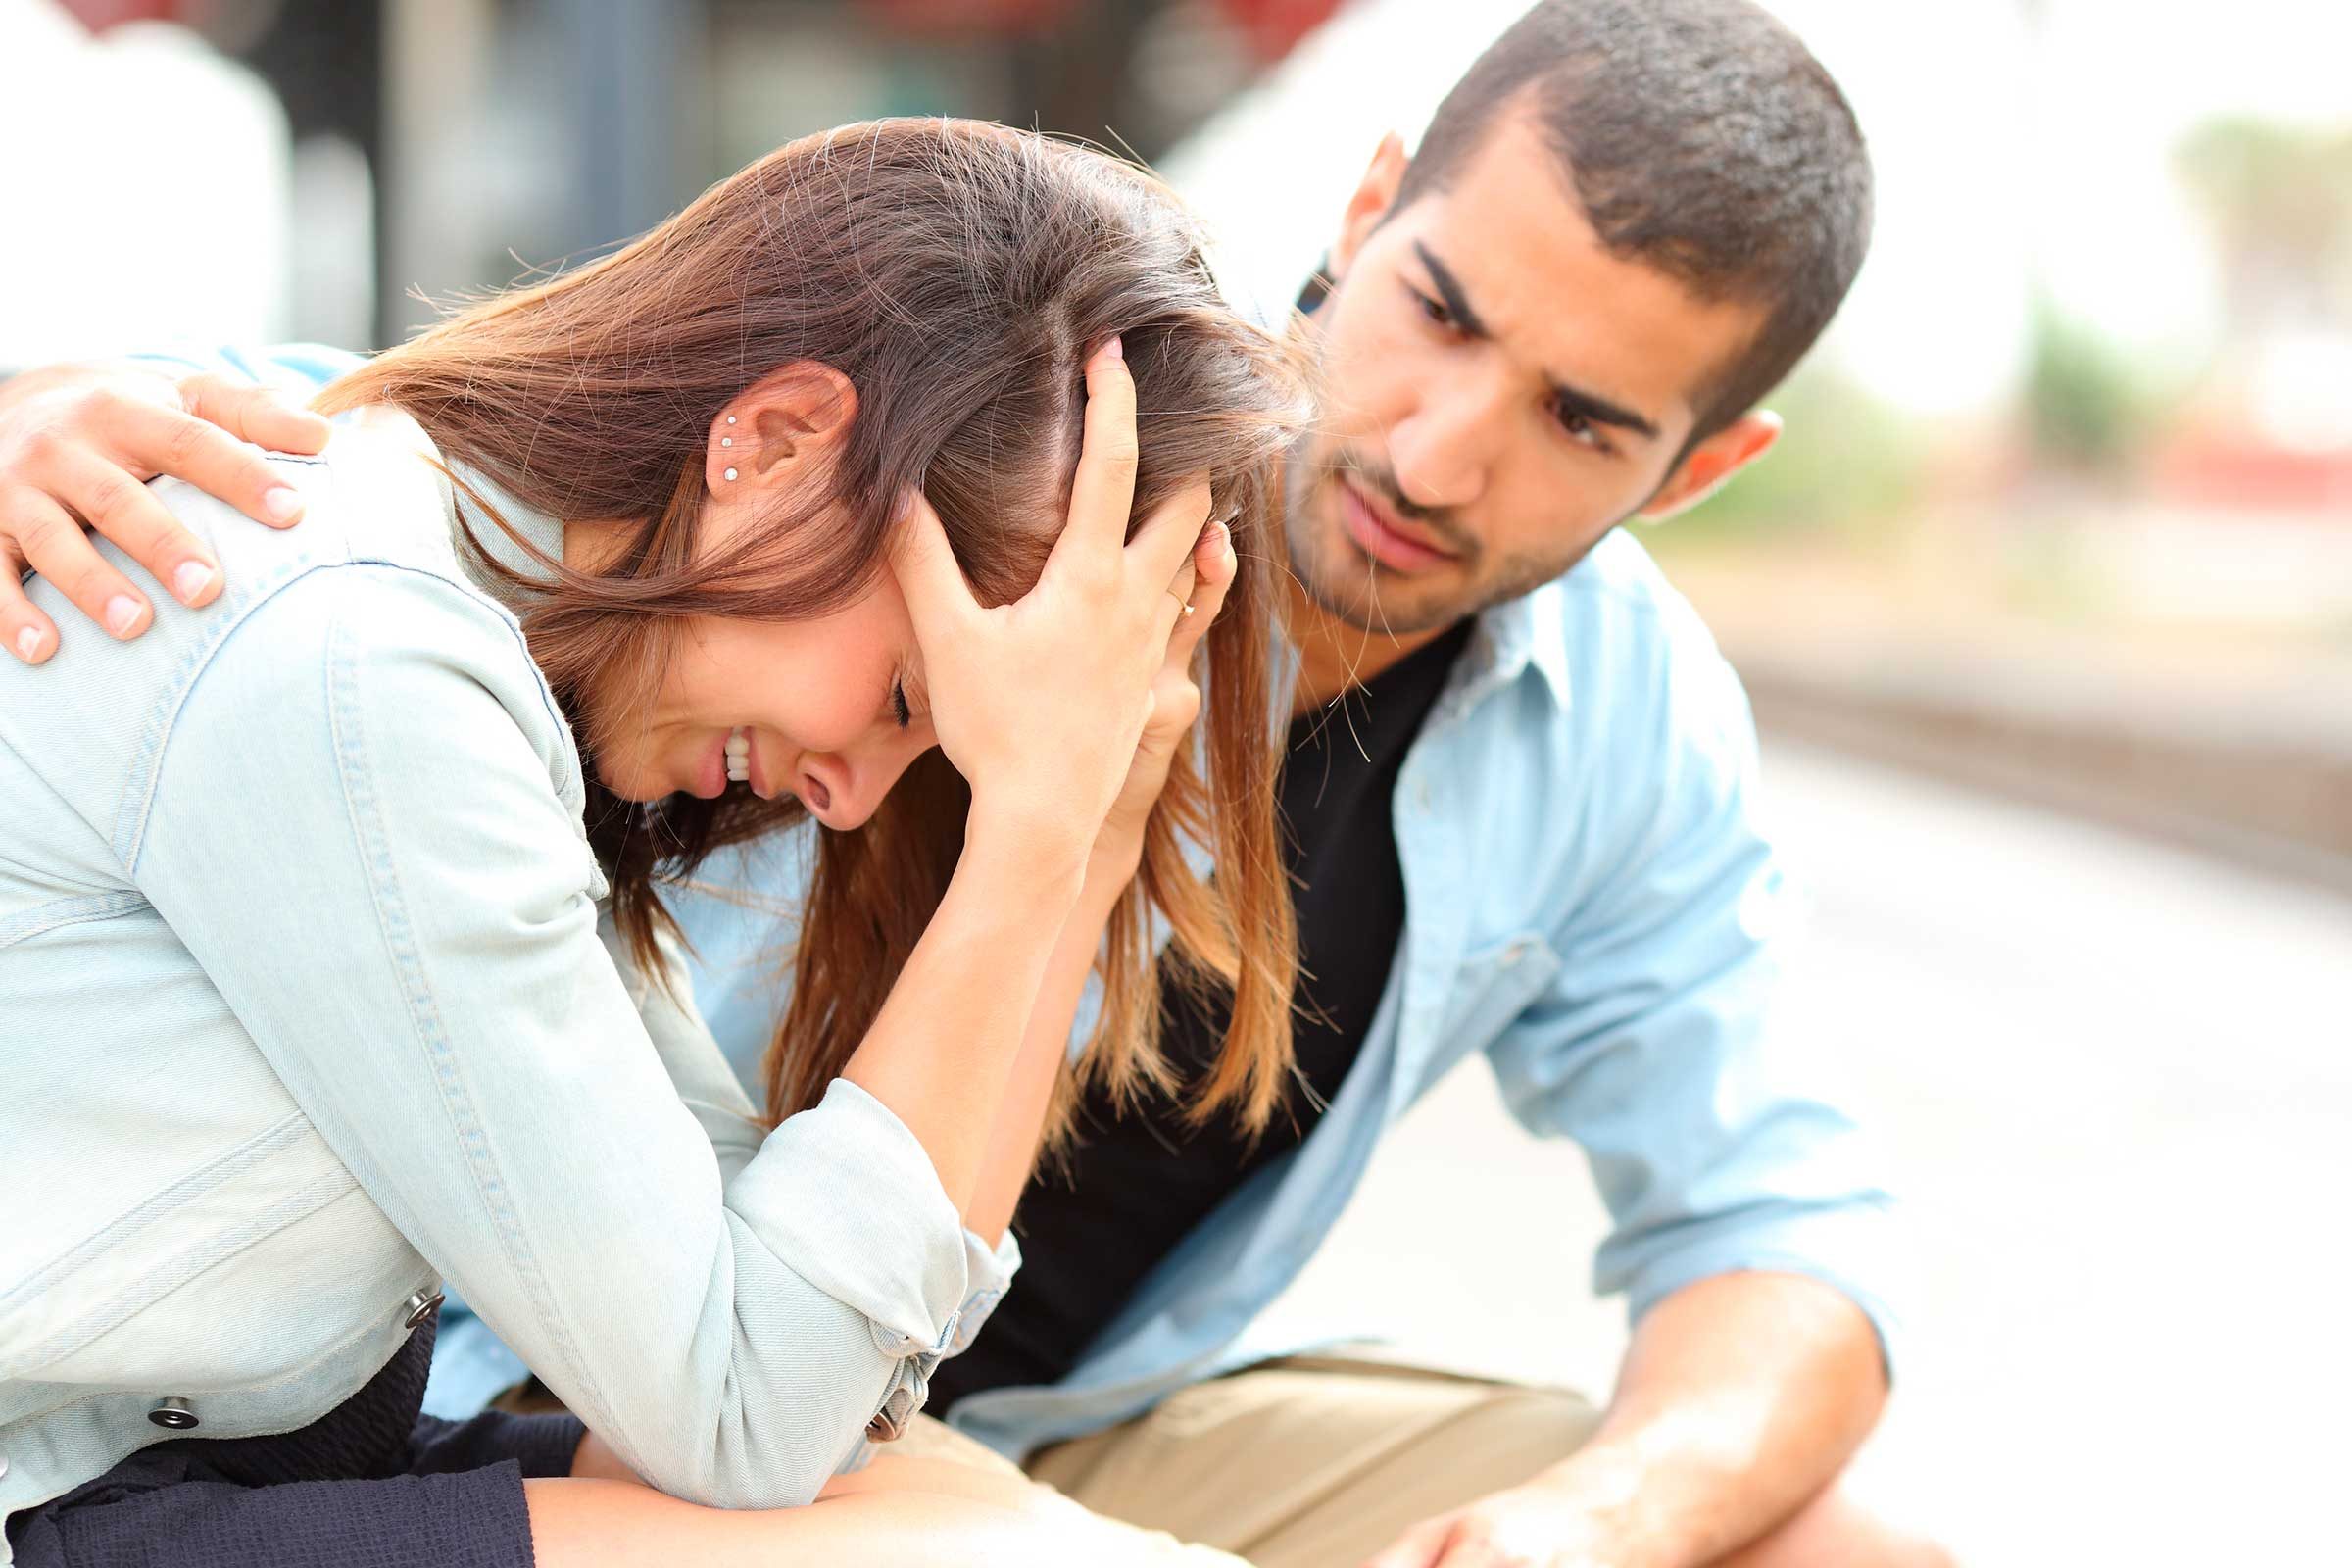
[476,496]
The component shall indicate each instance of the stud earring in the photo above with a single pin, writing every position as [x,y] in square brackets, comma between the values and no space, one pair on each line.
[730,473]
[726,440]
[730,418]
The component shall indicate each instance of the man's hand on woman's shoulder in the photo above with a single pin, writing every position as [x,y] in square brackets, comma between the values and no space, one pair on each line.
[77,444]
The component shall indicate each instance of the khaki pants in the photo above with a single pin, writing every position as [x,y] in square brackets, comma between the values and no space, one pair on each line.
[1314,1462]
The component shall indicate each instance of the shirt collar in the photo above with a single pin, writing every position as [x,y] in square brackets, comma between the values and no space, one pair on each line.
[1514,636]
[543,533]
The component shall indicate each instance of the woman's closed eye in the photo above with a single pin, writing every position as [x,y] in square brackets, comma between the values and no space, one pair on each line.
[899,709]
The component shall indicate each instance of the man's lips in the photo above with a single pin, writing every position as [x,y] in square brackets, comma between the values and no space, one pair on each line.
[1383,537]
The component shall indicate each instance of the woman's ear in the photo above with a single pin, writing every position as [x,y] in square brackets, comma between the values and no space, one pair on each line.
[779,430]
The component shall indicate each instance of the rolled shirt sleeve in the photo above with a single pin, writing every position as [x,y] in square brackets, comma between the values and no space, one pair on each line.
[366,826]
[295,370]
[1719,1142]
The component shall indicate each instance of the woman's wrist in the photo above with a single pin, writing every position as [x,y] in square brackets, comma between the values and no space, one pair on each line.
[1037,860]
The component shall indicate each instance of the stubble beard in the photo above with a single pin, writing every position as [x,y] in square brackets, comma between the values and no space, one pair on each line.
[1340,580]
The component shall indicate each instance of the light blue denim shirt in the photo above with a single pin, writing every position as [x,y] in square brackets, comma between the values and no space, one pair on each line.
[1590,904]
[308,1004]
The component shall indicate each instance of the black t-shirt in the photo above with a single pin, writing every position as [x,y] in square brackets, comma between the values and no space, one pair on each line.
[1139,1183]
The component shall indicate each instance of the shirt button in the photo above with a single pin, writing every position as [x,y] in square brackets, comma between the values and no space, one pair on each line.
[419,1306]
[175,1413]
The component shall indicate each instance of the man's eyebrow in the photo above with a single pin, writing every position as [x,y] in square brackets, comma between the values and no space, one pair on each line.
[1573,400]
[1600,411]
[1450,290]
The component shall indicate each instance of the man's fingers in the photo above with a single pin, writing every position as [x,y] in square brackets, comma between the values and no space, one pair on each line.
[211,457]
[1103,492]
[55,546]
[1421,1547]
[27,633]
[1464,1551]
[140,526]
[255,414]
[924,564]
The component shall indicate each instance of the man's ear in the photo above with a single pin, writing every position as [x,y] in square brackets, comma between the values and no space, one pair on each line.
[1711,465]
[1374,195]
[779,428]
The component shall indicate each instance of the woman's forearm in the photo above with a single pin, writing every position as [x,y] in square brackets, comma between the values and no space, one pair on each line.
[1021,1116]
[941,1052]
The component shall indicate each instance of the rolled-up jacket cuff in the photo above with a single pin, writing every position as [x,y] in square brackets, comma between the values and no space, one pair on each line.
[846,1196]
[990,1271]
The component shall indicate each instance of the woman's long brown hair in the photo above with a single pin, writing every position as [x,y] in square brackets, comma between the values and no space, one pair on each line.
[957,274]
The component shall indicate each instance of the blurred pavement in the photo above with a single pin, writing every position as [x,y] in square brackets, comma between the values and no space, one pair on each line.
[2115,1087]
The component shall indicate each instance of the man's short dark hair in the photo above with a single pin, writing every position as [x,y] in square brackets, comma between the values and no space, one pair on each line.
[1702,139]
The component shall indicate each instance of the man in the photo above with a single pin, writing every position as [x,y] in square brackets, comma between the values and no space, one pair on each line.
[1520,781]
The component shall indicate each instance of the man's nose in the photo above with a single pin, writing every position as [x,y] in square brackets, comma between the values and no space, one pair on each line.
[1442,451]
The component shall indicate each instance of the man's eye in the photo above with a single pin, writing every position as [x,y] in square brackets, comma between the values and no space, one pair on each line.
[898,703]
[1434,310]
[1581,427]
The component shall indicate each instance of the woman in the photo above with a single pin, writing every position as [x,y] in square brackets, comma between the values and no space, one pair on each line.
[596,577]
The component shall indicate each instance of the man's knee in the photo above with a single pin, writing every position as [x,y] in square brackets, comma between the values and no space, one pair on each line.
[1540,1426]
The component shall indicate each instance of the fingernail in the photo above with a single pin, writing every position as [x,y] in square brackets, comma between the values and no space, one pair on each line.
[1116,350]
[121,614]
[191,579]
[29,642]
[282,504]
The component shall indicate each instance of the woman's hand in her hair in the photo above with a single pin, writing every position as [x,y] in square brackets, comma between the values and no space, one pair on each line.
[77,444]
[1042,704]
[1175,705]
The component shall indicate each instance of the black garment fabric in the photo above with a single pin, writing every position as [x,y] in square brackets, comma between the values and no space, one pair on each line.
[1139,1184]
[371,1483]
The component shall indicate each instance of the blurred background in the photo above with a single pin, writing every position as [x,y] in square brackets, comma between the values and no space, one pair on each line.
[2045,601]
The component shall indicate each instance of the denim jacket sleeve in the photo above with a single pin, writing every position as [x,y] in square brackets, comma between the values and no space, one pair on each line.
[1720,1143]
[366,826]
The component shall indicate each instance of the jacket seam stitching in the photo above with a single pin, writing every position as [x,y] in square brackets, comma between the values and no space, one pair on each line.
[348,727]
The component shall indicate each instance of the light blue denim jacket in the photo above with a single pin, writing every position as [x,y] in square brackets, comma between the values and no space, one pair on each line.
[1592,905]
[307,1004]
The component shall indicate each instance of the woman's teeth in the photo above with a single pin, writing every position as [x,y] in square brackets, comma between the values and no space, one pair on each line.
[739,756]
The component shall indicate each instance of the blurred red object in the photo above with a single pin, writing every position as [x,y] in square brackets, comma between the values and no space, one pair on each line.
[1271,27]
[967,18]
[2224,468]
[1275,26]
[100,15]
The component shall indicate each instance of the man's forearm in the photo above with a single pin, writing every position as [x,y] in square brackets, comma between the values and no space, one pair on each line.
[1739,1398]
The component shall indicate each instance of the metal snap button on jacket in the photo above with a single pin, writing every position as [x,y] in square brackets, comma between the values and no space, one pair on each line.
[419,1306]
[175,1413]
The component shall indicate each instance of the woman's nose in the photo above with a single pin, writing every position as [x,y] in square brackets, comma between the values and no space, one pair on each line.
[858,781]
